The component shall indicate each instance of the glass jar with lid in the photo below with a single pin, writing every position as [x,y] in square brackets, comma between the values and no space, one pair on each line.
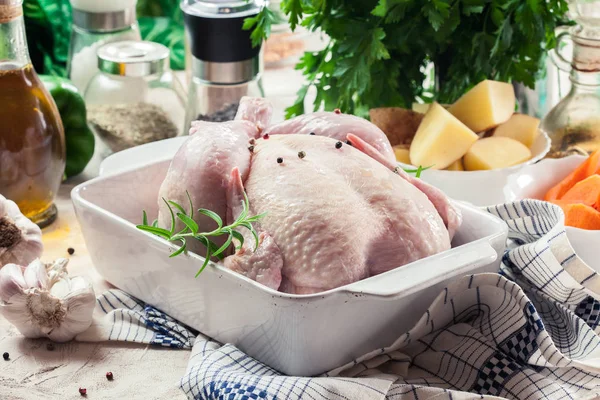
[224,64]
[135,97]
[96,23]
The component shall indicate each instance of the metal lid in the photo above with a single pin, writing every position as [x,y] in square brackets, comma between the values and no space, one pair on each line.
[110,21]
[130,58]
[222,8]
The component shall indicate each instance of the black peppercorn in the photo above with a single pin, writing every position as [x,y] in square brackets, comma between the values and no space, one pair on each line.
[301,154]
[6,356]
[71,251]
[109,376]
[50,346]
[279,160]
[312,133]
[251,148]
[338,145]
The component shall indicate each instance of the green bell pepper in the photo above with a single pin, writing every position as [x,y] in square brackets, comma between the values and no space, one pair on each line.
[79,138]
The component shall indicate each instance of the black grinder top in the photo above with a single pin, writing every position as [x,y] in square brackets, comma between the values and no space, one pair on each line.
[222,50]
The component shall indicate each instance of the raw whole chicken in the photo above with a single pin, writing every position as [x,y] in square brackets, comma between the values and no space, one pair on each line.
[337,207]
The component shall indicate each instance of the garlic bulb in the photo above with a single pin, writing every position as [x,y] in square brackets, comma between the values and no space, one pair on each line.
[43,301]
[20,239]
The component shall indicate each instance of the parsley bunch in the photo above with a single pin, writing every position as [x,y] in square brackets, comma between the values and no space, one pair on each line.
[379,48]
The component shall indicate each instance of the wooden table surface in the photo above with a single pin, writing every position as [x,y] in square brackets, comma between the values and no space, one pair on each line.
[140,372]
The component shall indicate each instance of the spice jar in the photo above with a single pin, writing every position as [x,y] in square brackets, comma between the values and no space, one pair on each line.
[32,142]
[96,23]
[134,98]
[224,64]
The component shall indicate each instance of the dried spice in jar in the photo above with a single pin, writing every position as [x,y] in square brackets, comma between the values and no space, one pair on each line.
[126,125]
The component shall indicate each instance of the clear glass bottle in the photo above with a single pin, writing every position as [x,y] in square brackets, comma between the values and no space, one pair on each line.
[96,23]
[32,143]
[574,123]
[224,65]
[135,97]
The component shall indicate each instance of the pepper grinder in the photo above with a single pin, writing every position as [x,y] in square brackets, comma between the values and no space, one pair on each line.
[224,64]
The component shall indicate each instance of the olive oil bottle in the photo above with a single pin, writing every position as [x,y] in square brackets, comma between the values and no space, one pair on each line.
[32,144]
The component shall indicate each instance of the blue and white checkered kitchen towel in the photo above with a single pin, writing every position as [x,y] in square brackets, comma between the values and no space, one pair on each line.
[530,332]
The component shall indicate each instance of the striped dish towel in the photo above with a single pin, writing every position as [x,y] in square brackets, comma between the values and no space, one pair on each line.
[120,317]
[529,332]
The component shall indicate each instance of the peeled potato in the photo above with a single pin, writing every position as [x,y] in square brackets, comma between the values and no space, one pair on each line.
[440,140]
[488,104]
[494,153]
[520,127]
[402,154]
[456,166]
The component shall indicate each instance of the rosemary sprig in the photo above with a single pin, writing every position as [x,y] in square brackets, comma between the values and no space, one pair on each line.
[190,231]
[417,171]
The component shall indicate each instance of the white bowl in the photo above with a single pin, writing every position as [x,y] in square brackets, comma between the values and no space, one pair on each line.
[481,188]
[295,334]
[533,181]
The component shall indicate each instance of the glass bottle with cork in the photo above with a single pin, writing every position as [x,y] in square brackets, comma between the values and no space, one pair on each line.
[573,124]
[32,143]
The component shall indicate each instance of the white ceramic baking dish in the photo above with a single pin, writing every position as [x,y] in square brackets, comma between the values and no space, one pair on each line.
[295,334]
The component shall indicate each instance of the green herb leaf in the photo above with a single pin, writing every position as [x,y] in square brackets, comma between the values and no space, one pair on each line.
[172,231]
[144,218]
[213,215]
[181,249]
[155,230]
[239,237]
[177,206]
[190,223]
[224,246]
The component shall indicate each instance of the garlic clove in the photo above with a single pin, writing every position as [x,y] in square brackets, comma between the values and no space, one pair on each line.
[35,275]
[20,239]
[61,288]
[57,270]
[12,281]
[79,283]
[16,313]
[80,306]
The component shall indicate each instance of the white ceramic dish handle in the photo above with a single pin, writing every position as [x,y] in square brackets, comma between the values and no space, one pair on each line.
[397,282]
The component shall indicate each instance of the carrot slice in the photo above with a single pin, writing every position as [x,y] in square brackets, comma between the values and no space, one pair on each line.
[589,167]
[585,192]
[581,216]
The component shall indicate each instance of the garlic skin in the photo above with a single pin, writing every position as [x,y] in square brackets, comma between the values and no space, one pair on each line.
[43,301]
[20,239]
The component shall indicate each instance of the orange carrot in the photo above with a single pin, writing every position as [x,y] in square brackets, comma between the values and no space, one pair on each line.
[585,192]
[589,167]
[582,216]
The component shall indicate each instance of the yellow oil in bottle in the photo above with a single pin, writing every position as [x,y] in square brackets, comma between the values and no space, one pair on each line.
[32,144]
[582,139]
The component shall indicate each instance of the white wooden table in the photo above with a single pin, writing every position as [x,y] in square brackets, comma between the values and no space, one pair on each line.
[140,372]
